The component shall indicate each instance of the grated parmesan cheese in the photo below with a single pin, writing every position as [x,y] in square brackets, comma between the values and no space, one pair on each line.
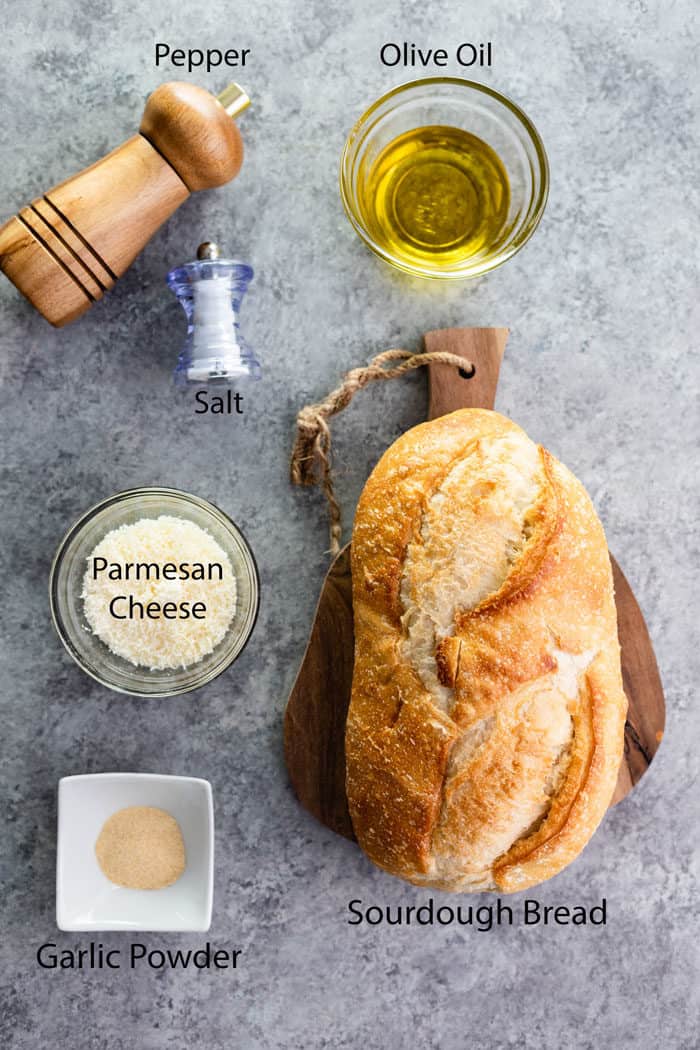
[159,643]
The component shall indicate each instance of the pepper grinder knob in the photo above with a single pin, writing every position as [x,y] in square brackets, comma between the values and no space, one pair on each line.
[210,290]
[68,247]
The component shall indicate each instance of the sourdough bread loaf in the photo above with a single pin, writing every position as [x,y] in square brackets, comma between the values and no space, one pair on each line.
[486,724]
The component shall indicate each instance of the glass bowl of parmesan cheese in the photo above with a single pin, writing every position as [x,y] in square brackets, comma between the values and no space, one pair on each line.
[154,592]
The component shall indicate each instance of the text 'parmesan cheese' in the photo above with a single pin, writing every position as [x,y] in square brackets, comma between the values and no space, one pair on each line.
[180,598]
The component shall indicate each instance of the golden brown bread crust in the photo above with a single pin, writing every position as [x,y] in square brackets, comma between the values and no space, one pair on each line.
[486,724]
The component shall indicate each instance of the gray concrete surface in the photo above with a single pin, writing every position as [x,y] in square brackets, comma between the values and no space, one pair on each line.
[602,366]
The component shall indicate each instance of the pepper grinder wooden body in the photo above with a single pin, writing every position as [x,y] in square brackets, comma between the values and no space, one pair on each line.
[68,247]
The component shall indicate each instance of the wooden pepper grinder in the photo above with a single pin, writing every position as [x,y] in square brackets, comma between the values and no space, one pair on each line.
[67,248]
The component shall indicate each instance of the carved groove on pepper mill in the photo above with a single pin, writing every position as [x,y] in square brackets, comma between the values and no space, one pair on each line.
[68,247]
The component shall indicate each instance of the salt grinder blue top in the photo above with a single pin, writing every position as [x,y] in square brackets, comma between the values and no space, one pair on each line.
[210,290]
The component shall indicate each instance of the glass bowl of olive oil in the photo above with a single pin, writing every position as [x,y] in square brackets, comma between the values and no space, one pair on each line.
[444,178]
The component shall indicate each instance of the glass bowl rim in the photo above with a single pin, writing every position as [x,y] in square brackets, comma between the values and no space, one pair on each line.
[74,531]
[537,204]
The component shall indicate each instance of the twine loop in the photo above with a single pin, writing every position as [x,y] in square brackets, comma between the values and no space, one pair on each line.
[312,453]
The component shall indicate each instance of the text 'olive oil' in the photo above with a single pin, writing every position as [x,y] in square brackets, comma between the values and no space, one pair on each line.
[437,195]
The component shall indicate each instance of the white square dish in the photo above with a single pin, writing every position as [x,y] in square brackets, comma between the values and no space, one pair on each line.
[86,899]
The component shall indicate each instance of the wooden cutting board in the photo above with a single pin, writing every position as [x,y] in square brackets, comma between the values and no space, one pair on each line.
[314,725]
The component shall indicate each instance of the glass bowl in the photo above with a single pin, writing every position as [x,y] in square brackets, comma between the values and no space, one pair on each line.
[66,584]
[472,107]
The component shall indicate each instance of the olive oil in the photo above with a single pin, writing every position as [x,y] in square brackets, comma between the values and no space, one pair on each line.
[437,195]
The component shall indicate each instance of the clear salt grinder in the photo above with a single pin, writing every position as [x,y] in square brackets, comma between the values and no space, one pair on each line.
[210,290]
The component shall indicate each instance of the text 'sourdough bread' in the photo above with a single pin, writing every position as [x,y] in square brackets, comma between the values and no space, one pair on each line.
[486,725]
